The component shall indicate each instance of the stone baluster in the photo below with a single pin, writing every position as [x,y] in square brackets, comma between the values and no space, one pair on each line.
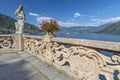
[119,75]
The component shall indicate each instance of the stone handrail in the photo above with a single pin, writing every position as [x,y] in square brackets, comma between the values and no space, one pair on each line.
[104,45]
[79,58]
[33,36]
[2,35]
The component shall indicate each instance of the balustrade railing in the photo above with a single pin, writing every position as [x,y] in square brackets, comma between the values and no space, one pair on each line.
[82,59]
[7,42]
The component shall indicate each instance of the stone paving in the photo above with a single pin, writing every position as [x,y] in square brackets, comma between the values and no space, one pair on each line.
[24,66]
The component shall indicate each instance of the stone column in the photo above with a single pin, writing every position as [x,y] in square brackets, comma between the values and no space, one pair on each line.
[47,41]
[19,42]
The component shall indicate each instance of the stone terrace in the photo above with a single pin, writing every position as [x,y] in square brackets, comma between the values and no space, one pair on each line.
[34,57]
[24,66]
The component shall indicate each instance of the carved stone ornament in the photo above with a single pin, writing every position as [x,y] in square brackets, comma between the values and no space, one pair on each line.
[86,63]
[7,42]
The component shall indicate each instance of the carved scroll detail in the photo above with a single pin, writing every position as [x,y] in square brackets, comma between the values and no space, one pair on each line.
[86,63]
[7,42]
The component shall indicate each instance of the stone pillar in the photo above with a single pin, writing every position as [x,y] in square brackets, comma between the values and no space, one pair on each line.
[47,40]
[19,42]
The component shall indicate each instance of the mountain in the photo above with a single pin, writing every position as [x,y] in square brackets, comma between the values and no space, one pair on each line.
[7,25]
[112,29]
[84,29]
[75,29]
[103,26]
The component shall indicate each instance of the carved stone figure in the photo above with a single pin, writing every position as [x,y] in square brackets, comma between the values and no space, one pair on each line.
[21,19]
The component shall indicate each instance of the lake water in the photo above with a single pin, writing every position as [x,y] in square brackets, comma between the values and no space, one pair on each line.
[93,36]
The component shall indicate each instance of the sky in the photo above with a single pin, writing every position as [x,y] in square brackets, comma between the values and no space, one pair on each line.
[66,12]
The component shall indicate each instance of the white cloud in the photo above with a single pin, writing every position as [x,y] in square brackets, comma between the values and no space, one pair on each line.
[76,15]
[40,19]
[33,14]
[68,24]
[103,21]
[93,22]
[61,23]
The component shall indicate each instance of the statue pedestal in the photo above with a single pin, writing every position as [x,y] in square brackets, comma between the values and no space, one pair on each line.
[47,37]
[19,42]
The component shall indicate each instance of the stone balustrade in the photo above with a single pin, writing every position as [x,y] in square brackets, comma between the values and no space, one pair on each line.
[80,58]
[7,42]
[104,45]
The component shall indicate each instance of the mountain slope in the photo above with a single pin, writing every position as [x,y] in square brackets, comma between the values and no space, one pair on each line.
[7,25]
[112,29]
[83,29]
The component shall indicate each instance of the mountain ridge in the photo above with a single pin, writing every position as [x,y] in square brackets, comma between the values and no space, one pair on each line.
[7,25]
[112,29]
[84,29]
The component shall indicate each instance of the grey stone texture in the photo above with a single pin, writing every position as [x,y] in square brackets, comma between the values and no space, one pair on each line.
[24,66]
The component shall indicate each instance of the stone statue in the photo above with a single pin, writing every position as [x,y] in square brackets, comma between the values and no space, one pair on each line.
[21,19]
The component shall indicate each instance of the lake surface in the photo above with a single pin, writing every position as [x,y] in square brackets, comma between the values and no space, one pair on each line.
[92,36]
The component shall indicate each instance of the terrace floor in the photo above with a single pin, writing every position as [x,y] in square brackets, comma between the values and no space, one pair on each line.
[24,66]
